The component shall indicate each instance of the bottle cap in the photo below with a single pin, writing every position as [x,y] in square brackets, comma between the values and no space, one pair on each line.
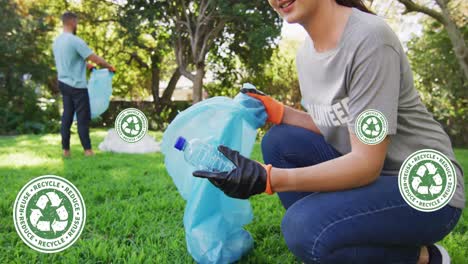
[180,143]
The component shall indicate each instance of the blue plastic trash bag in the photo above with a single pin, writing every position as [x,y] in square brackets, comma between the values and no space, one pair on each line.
[100,91]
[213,221]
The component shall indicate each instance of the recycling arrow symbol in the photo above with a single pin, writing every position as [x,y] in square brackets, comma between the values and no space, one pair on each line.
[131,121]
[36,215]
[366,127]
[427,170]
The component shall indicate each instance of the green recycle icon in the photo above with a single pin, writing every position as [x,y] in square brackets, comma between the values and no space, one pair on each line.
[427,180]
[131,125]
[50,213]
[371,127]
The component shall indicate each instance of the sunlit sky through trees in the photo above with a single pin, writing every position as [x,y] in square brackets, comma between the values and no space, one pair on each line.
[405,26]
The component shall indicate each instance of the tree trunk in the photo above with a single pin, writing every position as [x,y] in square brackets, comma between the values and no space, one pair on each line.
[455,34]
[165,98]
[155,78]
[167,94]
[456,37]
[198,83]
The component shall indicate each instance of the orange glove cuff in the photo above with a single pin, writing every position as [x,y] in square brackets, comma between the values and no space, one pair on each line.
[268,188]
[275,109]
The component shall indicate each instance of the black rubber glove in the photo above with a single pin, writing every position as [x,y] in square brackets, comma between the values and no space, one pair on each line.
[247,179]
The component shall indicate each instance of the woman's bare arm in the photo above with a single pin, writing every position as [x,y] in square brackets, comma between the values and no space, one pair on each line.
[358,168]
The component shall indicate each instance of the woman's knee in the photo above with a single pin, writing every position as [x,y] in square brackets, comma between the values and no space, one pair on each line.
[287,146]
[282,140]
[273,136]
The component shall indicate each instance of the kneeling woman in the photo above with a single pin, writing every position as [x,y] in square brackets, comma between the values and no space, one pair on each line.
[339,184]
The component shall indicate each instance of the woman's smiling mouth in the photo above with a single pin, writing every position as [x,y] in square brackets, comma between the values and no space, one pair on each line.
[286,6]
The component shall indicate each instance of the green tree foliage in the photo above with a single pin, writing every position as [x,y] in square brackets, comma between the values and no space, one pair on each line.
[277,78]
[251,32]
[440,79]
[24,67]
[224,30]
[99,26]
[145,28]
[451,12]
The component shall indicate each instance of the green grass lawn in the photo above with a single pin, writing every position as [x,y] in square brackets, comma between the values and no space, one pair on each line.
[134,212]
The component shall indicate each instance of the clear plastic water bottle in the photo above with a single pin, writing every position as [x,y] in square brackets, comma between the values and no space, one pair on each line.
[203,156]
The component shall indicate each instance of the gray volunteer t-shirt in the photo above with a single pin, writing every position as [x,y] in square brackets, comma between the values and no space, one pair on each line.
[369,70]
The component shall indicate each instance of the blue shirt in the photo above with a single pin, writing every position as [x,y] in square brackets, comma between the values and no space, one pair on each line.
[70,54]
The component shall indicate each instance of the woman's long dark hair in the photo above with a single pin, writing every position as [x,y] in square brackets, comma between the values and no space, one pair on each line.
[354,3]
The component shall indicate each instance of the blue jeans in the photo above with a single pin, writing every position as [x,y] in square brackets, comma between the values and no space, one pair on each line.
[370,224]
[75,101]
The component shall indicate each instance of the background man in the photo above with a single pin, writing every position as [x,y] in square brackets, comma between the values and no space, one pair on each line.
[71,54]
